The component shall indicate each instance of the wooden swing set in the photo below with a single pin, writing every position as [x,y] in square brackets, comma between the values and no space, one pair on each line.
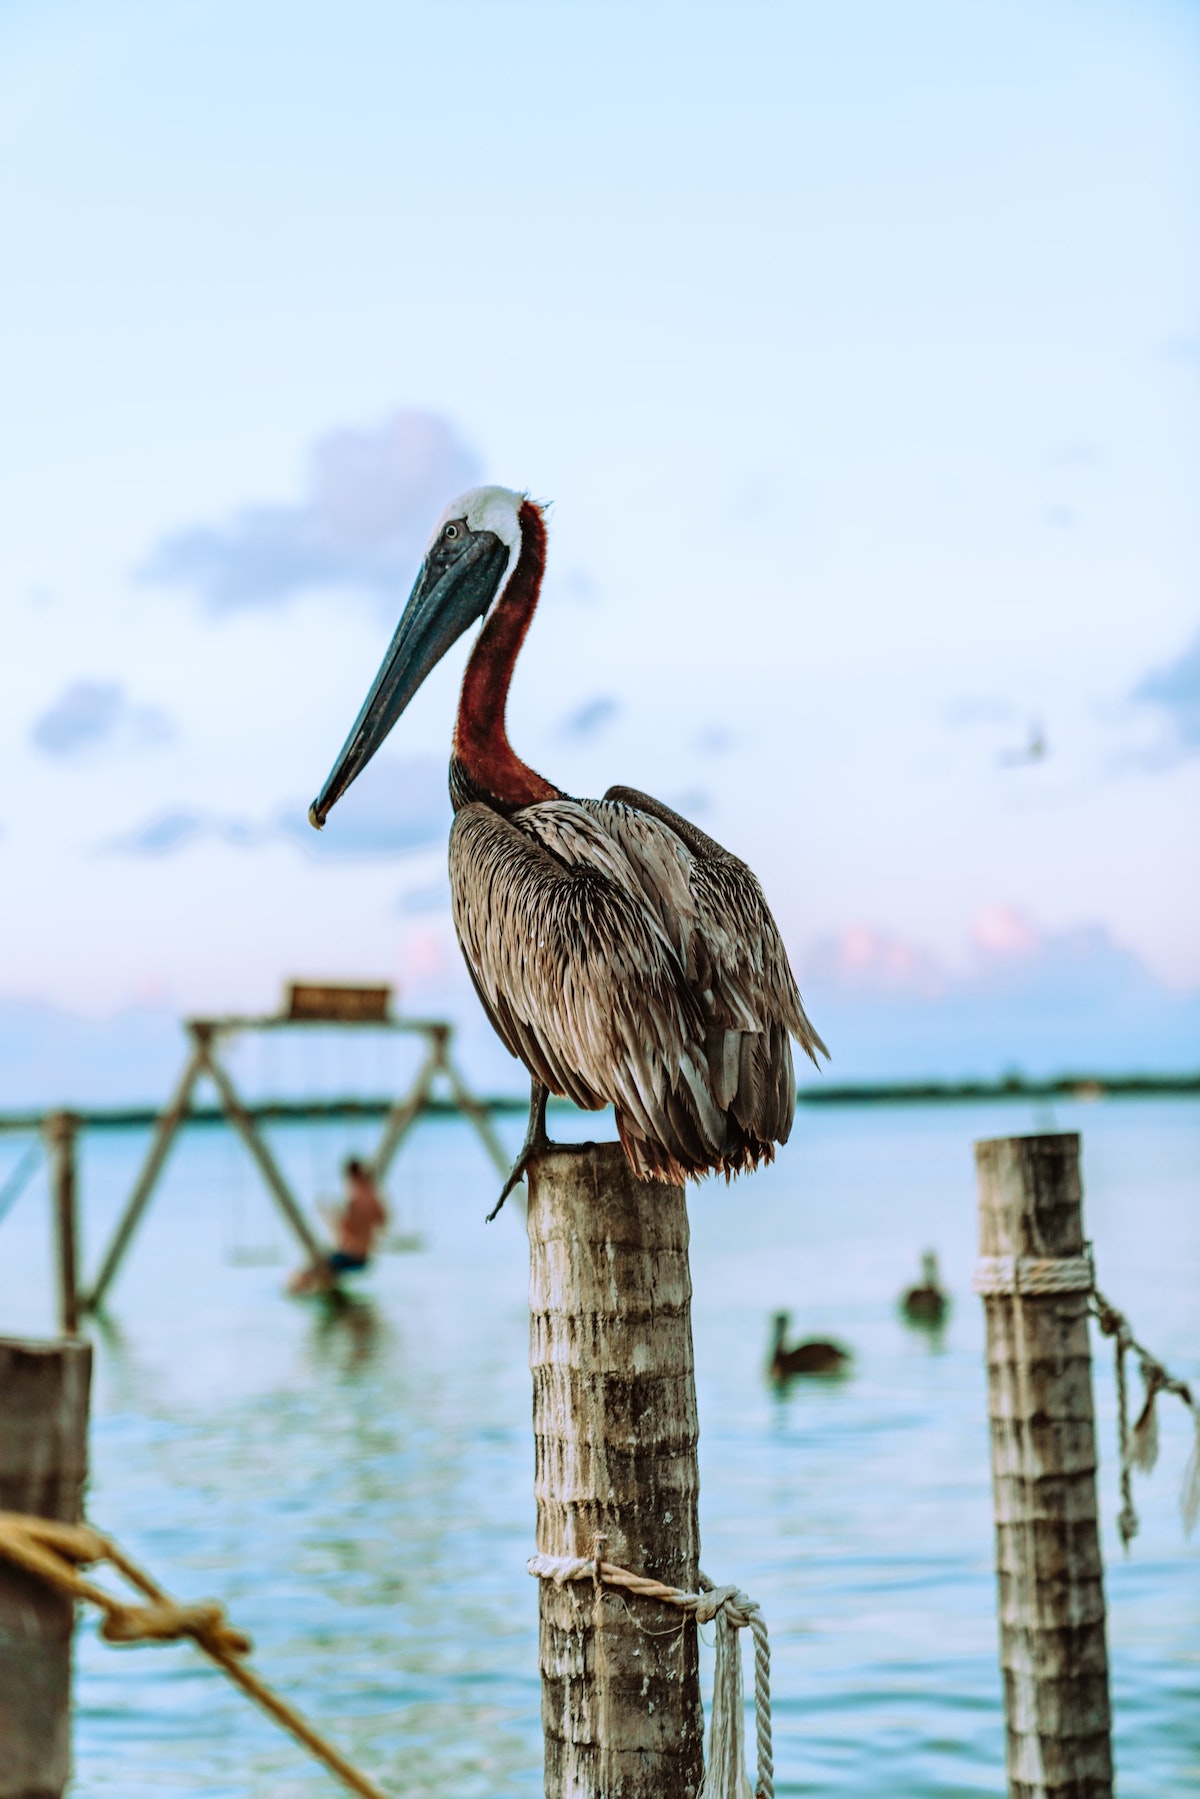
[306,1004]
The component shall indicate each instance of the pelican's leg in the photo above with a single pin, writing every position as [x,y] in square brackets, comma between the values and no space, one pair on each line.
[535,1140]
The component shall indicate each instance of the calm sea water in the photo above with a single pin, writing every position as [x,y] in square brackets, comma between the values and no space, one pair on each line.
[357,1486]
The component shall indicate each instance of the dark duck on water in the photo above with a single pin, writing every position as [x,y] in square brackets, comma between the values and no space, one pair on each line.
[814,1357]
[621,954]
[927,1302]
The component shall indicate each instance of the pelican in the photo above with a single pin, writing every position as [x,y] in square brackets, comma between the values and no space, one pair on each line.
[621,954]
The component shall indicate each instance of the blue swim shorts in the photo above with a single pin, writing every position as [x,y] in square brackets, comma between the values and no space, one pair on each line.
[340,1263]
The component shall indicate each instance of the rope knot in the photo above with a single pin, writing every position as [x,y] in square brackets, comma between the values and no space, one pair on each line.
[166,1622]
[54,1553]
[725,1775]
[709,1603]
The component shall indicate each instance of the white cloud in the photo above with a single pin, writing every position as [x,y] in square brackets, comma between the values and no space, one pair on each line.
[177,827]
[1175,689]
[403,805]
[373,496]
[591,719]
[715,740]
[92,715]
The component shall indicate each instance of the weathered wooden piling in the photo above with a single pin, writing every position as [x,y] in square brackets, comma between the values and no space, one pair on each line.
[1051,1589]
[60,1129]
[43,1464]
[615,1430]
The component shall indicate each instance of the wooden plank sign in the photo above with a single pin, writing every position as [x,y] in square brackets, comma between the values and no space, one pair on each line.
[311,1003]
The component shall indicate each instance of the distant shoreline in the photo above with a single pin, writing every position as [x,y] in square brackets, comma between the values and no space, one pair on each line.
[1011,1087]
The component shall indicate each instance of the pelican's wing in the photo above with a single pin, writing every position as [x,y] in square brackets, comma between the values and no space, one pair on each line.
[754,983]
[735,960]
[579,977]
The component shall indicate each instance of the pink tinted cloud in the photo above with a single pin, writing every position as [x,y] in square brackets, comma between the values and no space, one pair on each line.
[1000,930]
[865,959]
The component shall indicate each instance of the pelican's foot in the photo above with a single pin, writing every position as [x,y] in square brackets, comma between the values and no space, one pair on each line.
[536,1140]
[517,1174]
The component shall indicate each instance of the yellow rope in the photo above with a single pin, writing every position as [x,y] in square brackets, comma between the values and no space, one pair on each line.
[55,1552]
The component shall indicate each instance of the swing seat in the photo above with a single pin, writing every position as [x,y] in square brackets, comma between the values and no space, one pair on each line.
[250,1255]
[404,1243]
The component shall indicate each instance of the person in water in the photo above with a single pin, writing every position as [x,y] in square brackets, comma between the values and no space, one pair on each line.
[355,1225]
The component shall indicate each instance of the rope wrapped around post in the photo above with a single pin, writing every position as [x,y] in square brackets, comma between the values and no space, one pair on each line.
[1137,1445]
[725,1774]
[54,1553]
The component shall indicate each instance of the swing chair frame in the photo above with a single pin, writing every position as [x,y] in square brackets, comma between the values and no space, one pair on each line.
[308,1006]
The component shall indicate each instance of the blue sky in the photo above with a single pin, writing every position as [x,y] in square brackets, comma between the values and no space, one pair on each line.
[857,349]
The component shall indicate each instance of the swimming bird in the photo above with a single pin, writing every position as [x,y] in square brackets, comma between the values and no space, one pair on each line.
[625,957]
[926,1303]
[814,1357]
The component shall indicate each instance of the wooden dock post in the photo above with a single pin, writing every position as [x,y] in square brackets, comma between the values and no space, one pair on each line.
[1034,1280]
[43,1463]
[60,1130]
[615,1429]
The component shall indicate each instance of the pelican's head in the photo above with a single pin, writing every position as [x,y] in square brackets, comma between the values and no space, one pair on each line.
[471,553]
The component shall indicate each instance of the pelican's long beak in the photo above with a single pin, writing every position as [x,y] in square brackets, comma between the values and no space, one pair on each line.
[447,598]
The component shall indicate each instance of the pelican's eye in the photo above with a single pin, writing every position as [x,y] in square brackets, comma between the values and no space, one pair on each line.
[452,538]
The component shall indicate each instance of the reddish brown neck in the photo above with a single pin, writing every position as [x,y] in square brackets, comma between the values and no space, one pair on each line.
[481,743]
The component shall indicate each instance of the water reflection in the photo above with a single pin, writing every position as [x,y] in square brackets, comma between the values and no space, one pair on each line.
[348,1330]
[131,1380]
[932,1332]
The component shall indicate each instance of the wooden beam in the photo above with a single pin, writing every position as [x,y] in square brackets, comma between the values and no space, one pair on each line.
[615,1429]
[19,1177]
[242,1123]
[164,1136]
[404,1113]
[60,1130]
[475,1112]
